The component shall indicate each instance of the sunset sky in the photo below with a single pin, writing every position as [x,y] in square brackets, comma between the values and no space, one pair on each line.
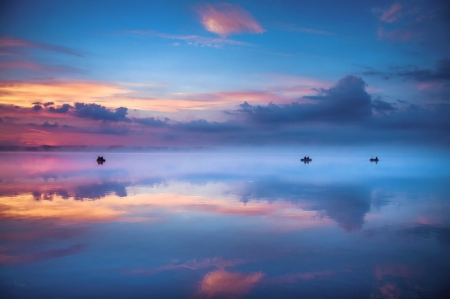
[192,73]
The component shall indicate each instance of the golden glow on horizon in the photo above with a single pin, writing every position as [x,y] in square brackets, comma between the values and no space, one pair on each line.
[280,215]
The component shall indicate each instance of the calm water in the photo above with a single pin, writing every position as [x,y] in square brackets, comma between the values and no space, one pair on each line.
[256,224]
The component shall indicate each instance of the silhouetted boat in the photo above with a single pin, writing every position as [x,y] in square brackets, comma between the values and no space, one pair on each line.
[100,160]
[374,160]
[306,159]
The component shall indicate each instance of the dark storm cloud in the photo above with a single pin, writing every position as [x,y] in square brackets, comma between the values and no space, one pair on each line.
[61,109]
[98,112]
[347,101]
[48,104]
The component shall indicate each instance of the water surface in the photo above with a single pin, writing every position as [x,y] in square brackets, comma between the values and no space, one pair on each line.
[254,224]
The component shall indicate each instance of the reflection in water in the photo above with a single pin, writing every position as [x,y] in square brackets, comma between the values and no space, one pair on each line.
[221,282]
[185,225]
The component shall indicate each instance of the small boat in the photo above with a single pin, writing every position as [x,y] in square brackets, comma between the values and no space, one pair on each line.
[306,159]
[374,160]
[100,160]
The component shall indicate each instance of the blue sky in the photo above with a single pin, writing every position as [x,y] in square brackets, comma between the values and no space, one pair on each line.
[184,70]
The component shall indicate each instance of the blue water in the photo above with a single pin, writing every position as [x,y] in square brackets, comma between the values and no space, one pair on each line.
[226,224]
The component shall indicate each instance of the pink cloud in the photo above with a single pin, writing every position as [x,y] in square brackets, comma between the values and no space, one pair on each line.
[33,66]
[229,284]
[194,265]
[427,85]
[390,15]
[12,42]
[225,19]
[396,35]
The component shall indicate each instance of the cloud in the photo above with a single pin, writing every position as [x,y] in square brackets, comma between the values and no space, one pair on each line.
[397,34]
[195,264]
[37,107]
[39,257]
[225,19]
[347,205]
[202,125]
[61,109]
[49,125]
[152,122]
[195,40]
[58,91]
[294,28]
[33,66]
[441,72]
[13,42]
[98,112]
[382,106]
[225,283]
[391,14]
[347,101]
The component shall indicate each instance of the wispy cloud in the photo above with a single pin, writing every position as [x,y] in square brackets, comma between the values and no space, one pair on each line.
[294,28]
[227,283]
[195,40]
[33,66]
[13,42]
[397,34]
[391,14]
[225,19]
[20,93]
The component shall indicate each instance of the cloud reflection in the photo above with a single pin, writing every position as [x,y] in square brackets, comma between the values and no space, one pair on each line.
[38,257]
[222,282]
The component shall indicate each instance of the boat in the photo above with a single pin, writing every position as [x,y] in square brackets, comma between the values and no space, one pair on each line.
[306,159]
[100,160]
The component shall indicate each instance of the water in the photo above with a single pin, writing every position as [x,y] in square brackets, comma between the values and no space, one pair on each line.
[253,224]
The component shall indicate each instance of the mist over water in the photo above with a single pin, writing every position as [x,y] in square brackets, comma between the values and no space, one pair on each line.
[238,223]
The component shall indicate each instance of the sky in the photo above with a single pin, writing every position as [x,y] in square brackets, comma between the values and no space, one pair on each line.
[217,74]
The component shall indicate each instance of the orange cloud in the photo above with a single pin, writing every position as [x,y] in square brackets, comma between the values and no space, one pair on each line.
[225,19]
[23,93]
[222,282]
